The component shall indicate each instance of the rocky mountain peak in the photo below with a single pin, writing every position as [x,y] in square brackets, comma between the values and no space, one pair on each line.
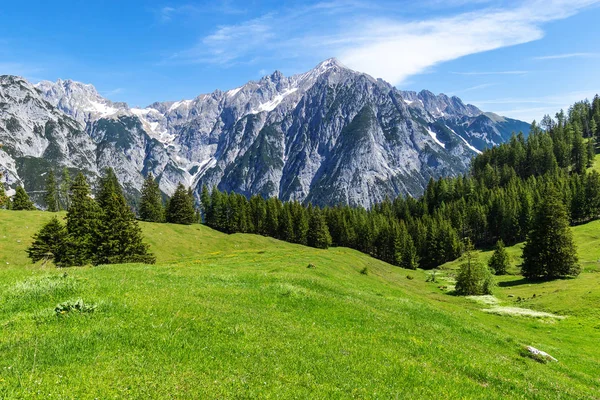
[331,135]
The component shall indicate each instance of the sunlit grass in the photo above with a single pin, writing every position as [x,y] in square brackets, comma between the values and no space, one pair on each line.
[242,316]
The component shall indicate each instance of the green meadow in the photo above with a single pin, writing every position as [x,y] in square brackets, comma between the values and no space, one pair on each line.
[242,316]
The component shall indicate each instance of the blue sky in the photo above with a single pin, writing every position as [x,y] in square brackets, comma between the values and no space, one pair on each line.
[518,58]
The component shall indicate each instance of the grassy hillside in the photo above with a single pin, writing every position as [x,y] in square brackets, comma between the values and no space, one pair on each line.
[242,316]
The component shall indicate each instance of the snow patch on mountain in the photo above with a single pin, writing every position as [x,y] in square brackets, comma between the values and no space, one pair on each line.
[435,138]
[272,104]
[178,104]
[465,141]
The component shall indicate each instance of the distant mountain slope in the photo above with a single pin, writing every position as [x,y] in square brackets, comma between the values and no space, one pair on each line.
[331,135]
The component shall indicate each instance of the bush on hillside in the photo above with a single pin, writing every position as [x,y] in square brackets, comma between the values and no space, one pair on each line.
[474,278]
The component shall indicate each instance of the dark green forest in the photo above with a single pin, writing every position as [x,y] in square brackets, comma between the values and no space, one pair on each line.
[495,201]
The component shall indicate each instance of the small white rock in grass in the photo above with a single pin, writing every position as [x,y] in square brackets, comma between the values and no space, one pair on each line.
[523,312]
[540,353]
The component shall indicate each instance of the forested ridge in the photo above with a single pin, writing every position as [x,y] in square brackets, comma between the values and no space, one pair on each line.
[494,201]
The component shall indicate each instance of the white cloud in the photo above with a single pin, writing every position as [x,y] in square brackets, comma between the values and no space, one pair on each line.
[375,41]
[476,73]
[569,55]
[396,50]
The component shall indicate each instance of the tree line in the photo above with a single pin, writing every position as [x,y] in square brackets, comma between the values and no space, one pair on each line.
[499,200]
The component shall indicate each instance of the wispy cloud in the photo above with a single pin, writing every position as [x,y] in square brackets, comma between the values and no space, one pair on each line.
[473,88]
[568,55]
[377,42]
[477,73]
[170,13]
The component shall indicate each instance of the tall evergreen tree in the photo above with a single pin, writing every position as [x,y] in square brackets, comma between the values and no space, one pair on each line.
[50,243]
[3,197]
[21,200]
[83,221]
[119,237]
[65,189]
[318,232]
[51,196]
[151,205]
[181,207]
[499,262]
[205,203]
[549,251]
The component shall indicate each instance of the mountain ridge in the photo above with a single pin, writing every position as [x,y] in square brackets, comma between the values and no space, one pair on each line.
[278,136]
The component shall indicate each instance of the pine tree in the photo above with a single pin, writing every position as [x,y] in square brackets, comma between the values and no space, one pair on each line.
[549,251]
[406,252]
[579,153]
[499,262]
[205,203]
[21,200]
[51,196]
[181,207]
[591,152]
[119,237]
[65,188]
[318,233]
[300,220]
[3,197]
[272,218]
[286,224]
[151,205]
[474,278]
[83,221]
[258,214]
[49,243]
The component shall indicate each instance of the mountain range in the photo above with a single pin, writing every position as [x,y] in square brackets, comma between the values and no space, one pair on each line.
[331,135]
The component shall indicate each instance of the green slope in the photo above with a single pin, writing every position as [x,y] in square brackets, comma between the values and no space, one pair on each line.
[242,316]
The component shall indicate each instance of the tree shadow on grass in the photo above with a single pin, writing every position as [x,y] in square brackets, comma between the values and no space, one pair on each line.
[518,282]
[526,281]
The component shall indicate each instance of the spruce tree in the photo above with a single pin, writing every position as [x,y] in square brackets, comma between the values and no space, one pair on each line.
[21,200]
[83,221]
[151,205]
[50,243]
[65,188]
[499,262]
[3,197]
[549,251]
[51,195]
[205,203]
[181,207]
[318,232]
[406,252]
[474,278]
[300,219]
[286,224]
[119,237]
